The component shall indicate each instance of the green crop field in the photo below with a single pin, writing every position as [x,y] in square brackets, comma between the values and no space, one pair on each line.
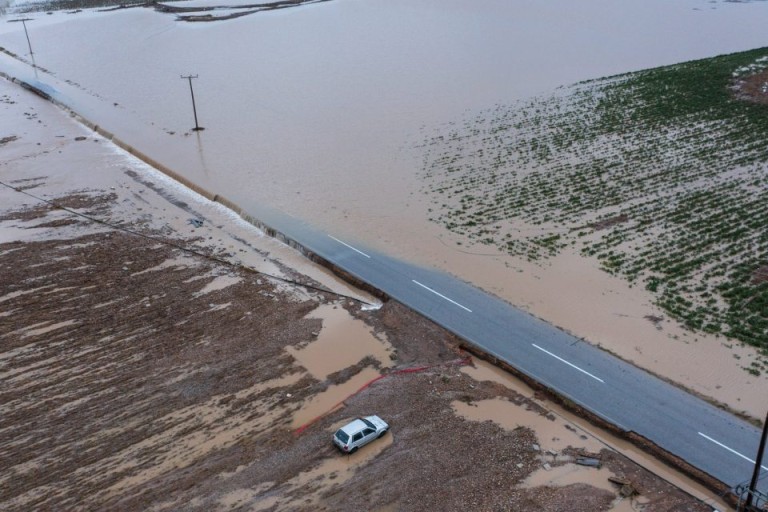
[662,175]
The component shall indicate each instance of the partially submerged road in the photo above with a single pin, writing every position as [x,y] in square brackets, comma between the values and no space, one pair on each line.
[686,426]
[706,437]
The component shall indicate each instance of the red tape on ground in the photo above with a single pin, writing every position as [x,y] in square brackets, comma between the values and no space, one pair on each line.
[458,362]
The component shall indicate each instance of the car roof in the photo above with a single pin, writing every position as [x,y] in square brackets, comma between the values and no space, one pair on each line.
[354,426]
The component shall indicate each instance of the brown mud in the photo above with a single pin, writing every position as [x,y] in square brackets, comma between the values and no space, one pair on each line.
[127,388]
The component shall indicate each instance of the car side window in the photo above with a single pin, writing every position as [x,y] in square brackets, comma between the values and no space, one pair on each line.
[357,436]
[368,431]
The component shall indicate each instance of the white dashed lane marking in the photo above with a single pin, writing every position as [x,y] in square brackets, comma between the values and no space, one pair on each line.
[721,445]
[349,246]
[568,363]
[442,296]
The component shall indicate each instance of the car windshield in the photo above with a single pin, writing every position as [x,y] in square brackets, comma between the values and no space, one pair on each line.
[342,436]
[369,424]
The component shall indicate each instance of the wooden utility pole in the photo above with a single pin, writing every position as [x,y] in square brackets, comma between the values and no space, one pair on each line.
[197,127]
[26,33]
[758,463]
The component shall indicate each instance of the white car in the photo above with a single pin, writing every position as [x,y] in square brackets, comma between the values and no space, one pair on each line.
[359,432]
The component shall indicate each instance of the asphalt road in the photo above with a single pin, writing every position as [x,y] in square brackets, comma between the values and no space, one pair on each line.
[708,438]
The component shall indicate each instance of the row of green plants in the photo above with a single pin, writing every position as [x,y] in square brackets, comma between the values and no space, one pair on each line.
[662,175]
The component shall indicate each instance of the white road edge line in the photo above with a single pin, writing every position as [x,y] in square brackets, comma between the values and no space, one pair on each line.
[569,364]
[347,245]
[718,443]
[441,295]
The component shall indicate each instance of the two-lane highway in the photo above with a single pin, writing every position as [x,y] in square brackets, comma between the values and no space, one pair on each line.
[706,437]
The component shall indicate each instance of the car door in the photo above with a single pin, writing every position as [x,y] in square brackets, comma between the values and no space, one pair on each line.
[369,434]
[357,440]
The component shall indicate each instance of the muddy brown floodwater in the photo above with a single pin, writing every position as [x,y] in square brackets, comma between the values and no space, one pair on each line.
[319,111]
[150,363]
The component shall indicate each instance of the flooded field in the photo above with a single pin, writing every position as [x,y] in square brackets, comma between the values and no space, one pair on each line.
[315,111]
[158,354]
[318,112]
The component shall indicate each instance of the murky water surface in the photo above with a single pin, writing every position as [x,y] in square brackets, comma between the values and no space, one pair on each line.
[328,400]
[342,342]
[314,110]
[317,111]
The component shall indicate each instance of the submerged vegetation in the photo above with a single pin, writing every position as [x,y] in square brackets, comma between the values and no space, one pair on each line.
[198,12]
[662,175]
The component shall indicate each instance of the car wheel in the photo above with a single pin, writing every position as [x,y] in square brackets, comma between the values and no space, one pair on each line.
[353,450]
[382,434]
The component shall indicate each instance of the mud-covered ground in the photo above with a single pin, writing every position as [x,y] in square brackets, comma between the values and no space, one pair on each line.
[145,366]
[128,386]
